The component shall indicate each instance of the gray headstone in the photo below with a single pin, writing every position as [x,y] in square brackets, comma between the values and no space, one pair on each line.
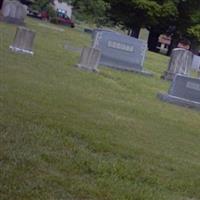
[121,51]
[97,30]
[23,41]
[184,91]
[144,34]
[89,59]
[180,63]
[196,63]
[14,12]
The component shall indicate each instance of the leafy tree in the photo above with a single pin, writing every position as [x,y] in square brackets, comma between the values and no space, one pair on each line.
[91,10]
[194,31]
[135,14]
[178,18]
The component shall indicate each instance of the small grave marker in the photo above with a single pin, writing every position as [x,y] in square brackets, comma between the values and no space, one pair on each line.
[23,41]
[196,64]
[89,59]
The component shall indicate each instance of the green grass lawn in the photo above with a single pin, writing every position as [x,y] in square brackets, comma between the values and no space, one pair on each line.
[68,134]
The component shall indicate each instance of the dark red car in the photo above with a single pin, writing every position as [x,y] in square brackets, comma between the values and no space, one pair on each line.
[63,19]
[60,18]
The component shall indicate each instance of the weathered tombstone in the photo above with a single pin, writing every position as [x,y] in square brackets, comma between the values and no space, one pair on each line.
[196,64]
[184,91]
[97,30]
[14,12]
[121,51]
[144,34]
[89,59]
[180,63]
[23,41]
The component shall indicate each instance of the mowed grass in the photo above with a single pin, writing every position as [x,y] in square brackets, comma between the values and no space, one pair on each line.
[69,134]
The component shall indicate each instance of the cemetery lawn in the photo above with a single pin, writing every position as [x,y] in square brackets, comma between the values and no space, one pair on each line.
[69,134]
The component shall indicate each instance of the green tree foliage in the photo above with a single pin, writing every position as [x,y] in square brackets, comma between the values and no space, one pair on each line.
[44,5]
[41,5]
[188,19]
[91,10]
[134,14]
[194,31]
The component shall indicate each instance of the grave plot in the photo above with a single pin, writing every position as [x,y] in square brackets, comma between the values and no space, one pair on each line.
[121,51]
[184,91]
[21,47]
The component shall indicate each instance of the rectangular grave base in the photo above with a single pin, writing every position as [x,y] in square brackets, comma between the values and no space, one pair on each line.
[87,68]
[142,72]
[179,101]
[18,50]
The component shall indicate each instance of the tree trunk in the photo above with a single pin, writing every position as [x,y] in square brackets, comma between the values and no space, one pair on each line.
[153,40]
[1,3]
[174,43]
[135,31]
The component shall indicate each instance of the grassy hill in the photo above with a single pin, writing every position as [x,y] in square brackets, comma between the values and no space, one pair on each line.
[68,134]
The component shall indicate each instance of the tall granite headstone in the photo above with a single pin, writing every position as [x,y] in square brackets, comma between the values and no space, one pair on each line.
[180,63]
[184,91]
[14,12]
[23,41]
[120,51]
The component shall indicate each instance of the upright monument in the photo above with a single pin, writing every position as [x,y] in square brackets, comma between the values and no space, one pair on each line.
[180,63]
[13,12]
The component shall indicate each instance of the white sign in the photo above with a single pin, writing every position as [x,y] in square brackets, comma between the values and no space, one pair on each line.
[120,46]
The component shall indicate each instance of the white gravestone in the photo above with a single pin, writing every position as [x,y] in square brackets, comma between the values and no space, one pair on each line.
[89,59]
[196,64]
[180,63]
[23,41]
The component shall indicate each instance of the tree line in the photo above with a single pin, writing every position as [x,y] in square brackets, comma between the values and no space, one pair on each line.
[177,18]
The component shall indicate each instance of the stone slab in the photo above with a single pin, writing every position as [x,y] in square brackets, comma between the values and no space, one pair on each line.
[178,101]
[184,91]
[180,63]
[120,51]
[14,12]
[196,63]
[23,41]
[89,59]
